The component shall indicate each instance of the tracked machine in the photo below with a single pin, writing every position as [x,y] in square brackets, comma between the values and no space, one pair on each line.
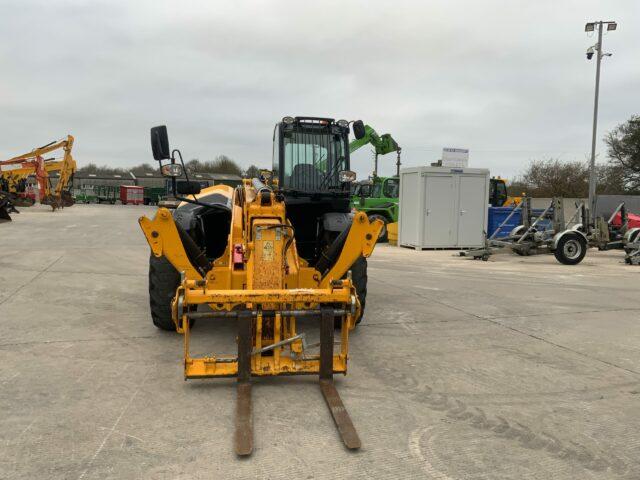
[266,254]
[14,172]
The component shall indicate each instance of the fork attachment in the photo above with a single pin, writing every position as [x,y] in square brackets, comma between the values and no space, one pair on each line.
[244,410]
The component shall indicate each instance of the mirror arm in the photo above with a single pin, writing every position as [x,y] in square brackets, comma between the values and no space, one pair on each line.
[174,183]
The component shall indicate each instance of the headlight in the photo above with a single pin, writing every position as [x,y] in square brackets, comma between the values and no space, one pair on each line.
[347,176]
[172,170]
[343,123]
[288,120]
[266,174]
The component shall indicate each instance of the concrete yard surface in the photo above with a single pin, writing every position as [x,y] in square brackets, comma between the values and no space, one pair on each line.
[515,368]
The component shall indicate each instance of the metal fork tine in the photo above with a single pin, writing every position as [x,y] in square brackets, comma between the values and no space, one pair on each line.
[244,420]
[244,415]
[340,415]
[331,396]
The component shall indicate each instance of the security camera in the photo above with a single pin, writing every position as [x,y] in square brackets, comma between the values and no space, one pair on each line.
[590,52]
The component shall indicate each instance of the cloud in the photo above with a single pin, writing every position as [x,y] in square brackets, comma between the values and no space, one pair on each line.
[506,79]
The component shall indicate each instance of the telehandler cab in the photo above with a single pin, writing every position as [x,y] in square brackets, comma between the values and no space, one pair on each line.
[267,253]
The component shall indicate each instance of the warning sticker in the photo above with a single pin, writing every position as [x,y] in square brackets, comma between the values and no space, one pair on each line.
[267,251]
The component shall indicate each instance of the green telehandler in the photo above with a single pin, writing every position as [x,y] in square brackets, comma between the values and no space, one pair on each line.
[377,196]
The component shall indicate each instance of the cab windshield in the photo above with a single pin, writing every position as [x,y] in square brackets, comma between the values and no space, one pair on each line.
[363,190]
[313,158]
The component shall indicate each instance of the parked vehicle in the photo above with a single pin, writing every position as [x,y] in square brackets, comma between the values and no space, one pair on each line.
[106,193]
[378,198]
[131,195]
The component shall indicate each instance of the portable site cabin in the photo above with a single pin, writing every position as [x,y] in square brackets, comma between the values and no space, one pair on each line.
[443,207]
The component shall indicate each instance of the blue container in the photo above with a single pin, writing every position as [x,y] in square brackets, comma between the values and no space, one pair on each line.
[497,215]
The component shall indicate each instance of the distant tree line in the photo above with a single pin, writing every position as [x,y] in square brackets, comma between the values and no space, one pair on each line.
[619,176]
[221,164]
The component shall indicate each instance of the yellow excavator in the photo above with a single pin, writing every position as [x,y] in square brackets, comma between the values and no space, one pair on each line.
[273,251]
[14,173]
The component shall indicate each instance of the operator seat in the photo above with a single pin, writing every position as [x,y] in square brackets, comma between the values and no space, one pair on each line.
[305,177]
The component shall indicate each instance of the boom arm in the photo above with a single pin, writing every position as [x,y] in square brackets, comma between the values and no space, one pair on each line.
[33,163]
[382,145]
[67,144]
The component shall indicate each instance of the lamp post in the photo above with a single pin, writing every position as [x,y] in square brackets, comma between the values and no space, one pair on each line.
[597,50]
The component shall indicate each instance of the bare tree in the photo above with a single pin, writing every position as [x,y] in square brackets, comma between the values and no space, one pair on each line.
[102,170]
[194,165]
[221,164]
[143,168]
[252,172]
[623,148]
[551,178]
[611,180]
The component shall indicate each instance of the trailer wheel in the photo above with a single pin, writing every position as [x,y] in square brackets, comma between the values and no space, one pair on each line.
[383,237]
[163,282]
[571,248]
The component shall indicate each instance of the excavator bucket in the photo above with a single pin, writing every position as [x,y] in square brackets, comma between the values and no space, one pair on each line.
[262,283]
[67,198]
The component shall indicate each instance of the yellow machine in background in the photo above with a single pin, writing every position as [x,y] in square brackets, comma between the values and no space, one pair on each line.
[14,172]
[499,195]
[250,269]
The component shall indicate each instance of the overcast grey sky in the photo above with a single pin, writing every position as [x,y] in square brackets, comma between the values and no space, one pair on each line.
[507,79]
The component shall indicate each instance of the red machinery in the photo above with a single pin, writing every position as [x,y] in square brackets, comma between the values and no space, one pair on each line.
[634,220]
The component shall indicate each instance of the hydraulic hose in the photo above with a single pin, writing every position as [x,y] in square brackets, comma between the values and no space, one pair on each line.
[196,256]
[330,257]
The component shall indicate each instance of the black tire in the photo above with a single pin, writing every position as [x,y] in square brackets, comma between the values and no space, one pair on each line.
[163,282]
[384,234]
[359,277]
[571,248]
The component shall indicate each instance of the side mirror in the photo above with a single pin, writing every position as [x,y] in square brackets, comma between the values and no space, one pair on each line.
[160,143]
[358,129]
[347,176]
[188,188]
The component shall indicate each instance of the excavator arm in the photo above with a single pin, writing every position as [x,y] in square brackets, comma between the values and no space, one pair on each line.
[34,163]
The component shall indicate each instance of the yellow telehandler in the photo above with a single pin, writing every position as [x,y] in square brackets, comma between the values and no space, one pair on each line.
[267,253]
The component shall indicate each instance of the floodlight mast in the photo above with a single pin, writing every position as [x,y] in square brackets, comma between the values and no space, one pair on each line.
[590,27]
